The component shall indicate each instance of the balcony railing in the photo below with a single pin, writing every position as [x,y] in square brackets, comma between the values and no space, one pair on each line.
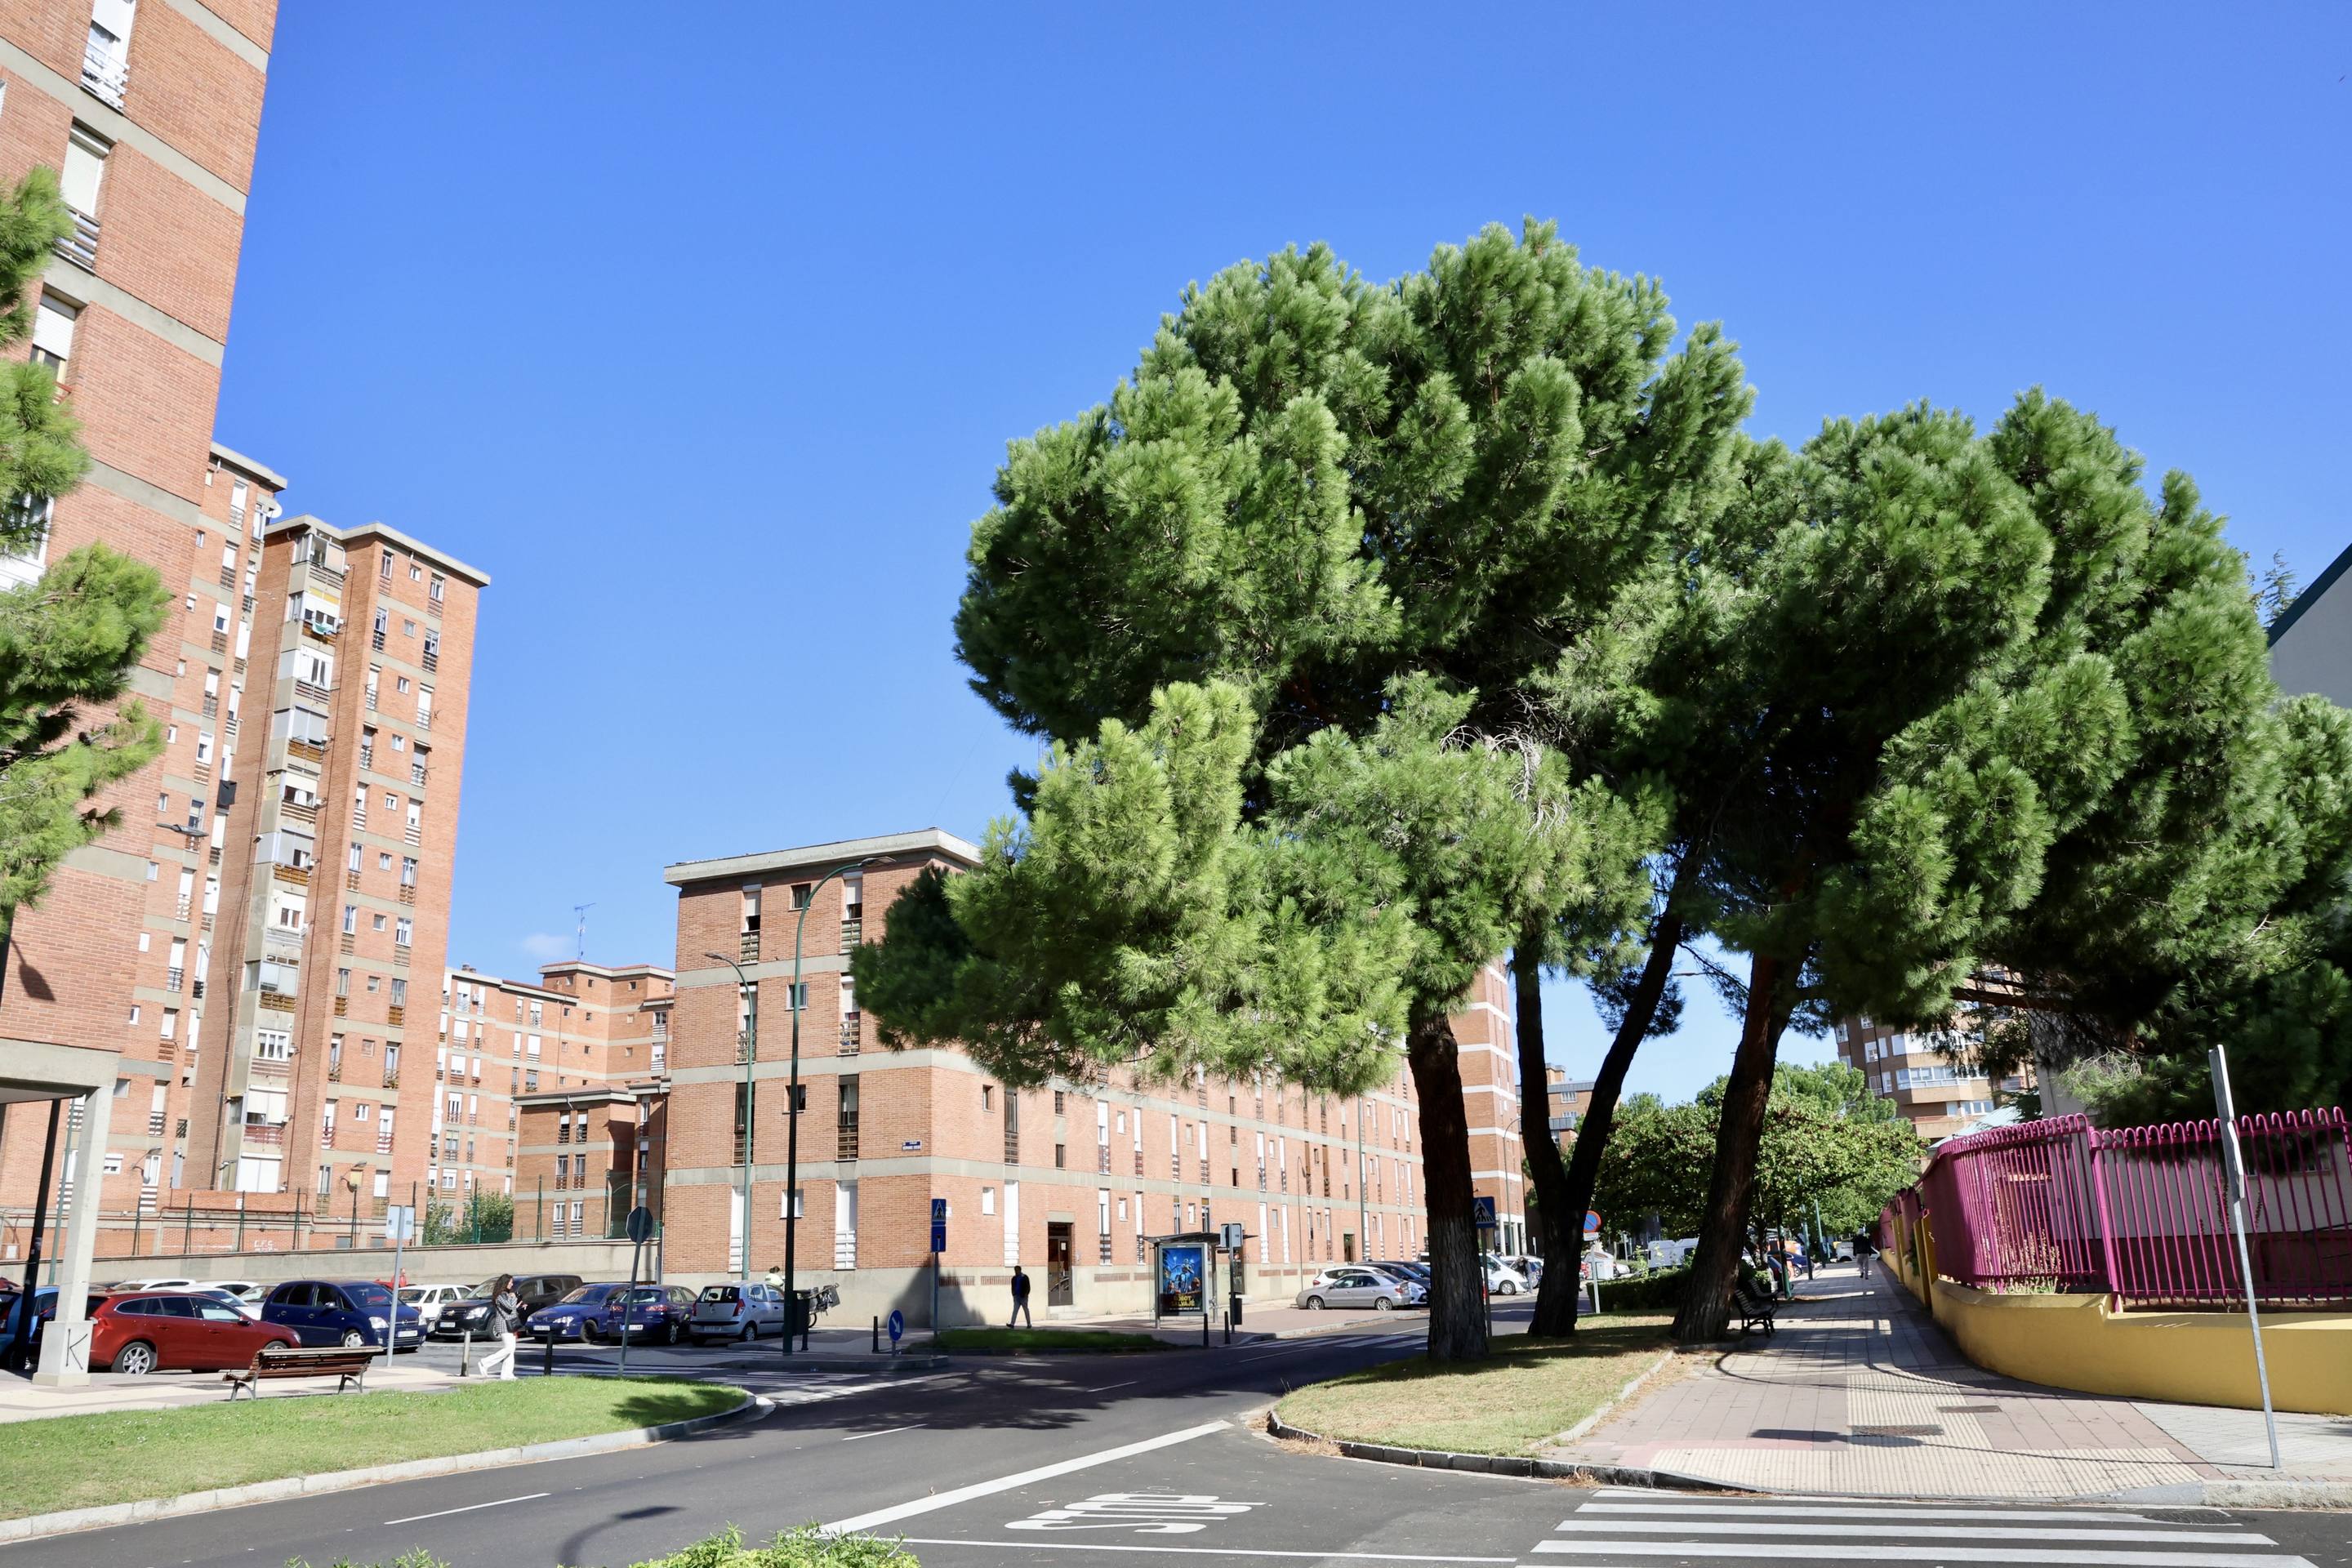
[415,834]
[265,1132]
[395,1014]
[335,1069]
[173,979]
[155,1124]
[430,660]
[343,1007]
[309,750]
[383,1143]
[80,247]
[300,876]
[846,1134]
[312,690]
[105,76]
[371,699]
[376,640]
[409,892]
[853,1033]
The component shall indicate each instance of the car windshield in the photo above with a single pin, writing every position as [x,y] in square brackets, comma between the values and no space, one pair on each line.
[368,1297]
[413,1292]
[594,1295]
[719,1293]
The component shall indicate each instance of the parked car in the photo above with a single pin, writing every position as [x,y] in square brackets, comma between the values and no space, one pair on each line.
[472,1314]
[1417,1272]
[649,1312]
[43,1307]
[1356,1285]
[176,1330]
[577,1316]
[160,1284]
[736,1312]
[1503,1280]
[347,1312]
[248,1290]
[250,1310]
[1418,1284]
[429,1300]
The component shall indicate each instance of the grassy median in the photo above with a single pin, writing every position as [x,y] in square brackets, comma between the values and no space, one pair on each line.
[1046,1340]
[85,1461]
[1512,1402]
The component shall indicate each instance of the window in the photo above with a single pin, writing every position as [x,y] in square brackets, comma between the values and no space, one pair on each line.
[85,170]
[404,930]
[987,1096]
[988,1199]
[351,921]
[434,590]
[53,332]
[416,572]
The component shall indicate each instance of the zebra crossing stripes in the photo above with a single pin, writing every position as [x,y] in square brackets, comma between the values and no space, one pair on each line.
[1627,1527]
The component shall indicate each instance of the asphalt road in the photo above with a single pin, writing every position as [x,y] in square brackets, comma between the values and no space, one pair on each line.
[1074,1461]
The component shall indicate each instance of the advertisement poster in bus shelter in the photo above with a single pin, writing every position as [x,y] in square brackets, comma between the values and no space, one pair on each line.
[1183,1278]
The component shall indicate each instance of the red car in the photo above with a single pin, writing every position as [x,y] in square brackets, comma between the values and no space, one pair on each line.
[138,1332]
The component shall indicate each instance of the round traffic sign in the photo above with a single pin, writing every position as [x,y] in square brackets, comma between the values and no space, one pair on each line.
[1591,1223]
[897,1324]
[641,1225]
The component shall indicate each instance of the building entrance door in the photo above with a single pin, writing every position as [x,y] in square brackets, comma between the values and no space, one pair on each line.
[1058,1284]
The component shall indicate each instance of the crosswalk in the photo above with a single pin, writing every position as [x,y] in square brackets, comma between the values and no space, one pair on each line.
[1624,1526]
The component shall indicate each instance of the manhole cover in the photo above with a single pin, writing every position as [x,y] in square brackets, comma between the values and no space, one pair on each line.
[1898,1431]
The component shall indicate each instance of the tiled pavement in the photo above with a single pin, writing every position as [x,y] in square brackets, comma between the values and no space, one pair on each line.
[1859,1392]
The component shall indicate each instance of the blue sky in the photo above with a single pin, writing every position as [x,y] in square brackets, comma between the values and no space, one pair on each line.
[705,340]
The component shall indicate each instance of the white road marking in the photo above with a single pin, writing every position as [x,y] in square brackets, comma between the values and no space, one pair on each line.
[1006,1483]
[856,1436]
[1805,1510]
[469,1508]
[1107,1387]
[1204,1551]
[1935,1531]
[1877,1553]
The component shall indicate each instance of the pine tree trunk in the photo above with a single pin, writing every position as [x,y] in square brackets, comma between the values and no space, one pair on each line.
[1562,1226]
[1600,1115]
[1723,1227]
[1457,1306]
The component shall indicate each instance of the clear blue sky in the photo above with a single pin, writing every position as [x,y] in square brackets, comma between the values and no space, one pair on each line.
[705,338]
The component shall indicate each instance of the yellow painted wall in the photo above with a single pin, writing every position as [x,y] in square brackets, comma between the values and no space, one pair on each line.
[2191,1358]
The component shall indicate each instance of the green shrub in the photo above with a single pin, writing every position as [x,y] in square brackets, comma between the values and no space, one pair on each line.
[1660,1290]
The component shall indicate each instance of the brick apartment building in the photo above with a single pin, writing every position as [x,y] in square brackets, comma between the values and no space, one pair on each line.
[1566,1099]
[334,880]
[150,112]
[524,1071]
[1070,1179]
[1927,1074]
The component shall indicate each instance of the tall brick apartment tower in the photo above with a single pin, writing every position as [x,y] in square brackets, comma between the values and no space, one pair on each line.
[332,933]
[150,111]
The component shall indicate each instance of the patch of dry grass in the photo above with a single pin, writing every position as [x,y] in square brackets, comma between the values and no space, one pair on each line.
[1513,1403]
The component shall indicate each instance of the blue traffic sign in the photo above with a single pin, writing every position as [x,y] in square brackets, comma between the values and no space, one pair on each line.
[897,1324]
[1482,1210]
[939,1225]
[1591,1223]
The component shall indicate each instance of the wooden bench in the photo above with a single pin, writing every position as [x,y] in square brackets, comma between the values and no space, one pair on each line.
[271,1362]
[1751,1309]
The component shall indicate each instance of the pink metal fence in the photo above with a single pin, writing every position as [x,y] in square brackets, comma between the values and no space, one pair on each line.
[2142,1211]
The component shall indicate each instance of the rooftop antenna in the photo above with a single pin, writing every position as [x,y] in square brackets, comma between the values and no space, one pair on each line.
[580,912]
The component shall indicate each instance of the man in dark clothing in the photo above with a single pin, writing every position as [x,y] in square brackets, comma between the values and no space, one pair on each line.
[1020,1299]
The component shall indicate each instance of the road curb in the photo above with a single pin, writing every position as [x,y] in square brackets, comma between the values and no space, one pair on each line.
[148,1510]
[1522,1469]
[934,1361]
[1613,1401]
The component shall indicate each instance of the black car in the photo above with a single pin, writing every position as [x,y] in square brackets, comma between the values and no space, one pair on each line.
[472,1316]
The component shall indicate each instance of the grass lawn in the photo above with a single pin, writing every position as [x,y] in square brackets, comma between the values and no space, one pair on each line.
[1509,1404]
[1044,1340]
[84,1461]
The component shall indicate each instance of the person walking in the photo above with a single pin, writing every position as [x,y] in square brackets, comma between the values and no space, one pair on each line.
[506,1317]
[776,1276]
[1020,1298]
[1864,1249]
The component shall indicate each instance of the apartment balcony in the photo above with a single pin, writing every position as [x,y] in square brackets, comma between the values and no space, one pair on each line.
[415,835]
[1102,1159]
[308,751]
[228,577]
[330,635]
[80,247]
[350,943]
[748,947]
[180,907]
[424,718]
[1012,1146]
[297,876]
[409,892]
[155,1124]
[846,1136]
[417,775]
[1139,1162]
[853,932]
[211,706]
[314,691]
[343,1007]
[105,76]
[352,879]
[395,1014]
[371,699]
[430,660]
[367,758]
[400,955]
[853,1032]
[173,979]
[220,642]
[383,1143]
[335,1068]
[275,1001]
[375,641]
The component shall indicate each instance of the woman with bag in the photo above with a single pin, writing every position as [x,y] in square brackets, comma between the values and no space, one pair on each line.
[506,1317]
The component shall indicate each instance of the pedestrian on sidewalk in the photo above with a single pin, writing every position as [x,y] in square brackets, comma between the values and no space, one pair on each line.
[1864,1249]
[776,1276]
[506,1317]
[1020,1299]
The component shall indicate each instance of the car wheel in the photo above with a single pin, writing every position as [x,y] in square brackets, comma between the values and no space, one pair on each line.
[1383,1305]
[750,1332]
[1506,1288]
[676,1332]
[592,1333]
[1314,1303]
[136,1359]
[353,1339]
[276,1345]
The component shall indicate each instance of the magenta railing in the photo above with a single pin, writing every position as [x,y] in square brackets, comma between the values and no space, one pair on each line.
[2142,1211]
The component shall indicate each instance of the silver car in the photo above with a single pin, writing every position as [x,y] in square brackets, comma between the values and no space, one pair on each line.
[1351,1285]
[737,1312]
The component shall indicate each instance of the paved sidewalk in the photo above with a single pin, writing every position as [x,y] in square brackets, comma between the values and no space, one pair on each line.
[22,1401]
[1861,1392]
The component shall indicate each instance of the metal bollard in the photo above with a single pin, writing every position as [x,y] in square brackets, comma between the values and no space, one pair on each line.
[877,1335]
[466,1354]
[547,1361]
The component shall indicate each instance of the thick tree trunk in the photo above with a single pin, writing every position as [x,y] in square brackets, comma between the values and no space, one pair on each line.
[1457,1306]
[1723,1227]
[1557,1299]
[1562,1226]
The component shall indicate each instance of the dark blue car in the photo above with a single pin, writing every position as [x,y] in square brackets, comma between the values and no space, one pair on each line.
[579,1316]
[347,1312]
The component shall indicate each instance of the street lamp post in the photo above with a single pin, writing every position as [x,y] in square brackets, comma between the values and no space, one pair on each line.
[793,1004]
[750,1123]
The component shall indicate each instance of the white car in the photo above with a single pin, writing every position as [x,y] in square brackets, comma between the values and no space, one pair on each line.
[249,1291]
[428,1299]
[163,1284]
[1503,1280]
